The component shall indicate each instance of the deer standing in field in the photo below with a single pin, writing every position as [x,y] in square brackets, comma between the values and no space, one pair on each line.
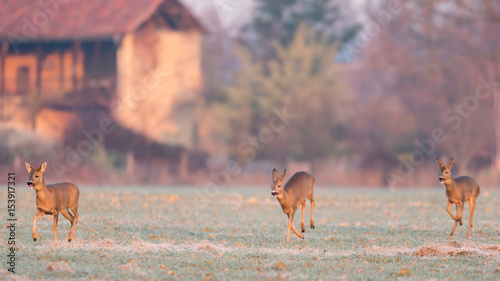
[293,194]
[53,199]
[458,190]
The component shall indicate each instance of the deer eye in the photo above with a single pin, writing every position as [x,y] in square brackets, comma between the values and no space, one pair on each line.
[36,176]
[446,172]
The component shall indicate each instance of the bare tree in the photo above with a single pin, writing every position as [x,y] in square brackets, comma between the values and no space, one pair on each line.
[426,59]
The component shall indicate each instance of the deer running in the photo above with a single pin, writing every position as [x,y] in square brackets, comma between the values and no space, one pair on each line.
[458,190]
[293,194]
[53,199]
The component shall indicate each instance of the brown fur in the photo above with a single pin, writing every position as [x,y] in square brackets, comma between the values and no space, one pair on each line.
[458,190]
[292,195]
[53,199]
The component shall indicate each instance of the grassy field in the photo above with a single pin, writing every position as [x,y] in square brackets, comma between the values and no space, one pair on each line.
[154,233]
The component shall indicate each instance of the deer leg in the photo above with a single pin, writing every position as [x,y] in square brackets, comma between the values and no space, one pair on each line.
[293,228]
[290,221]
[472,203]
[312,208]
[460,209]
[456,221]
[37,216]
[448,210]
[290,227]
[454,218]
[73,224]
[56,218]
[68,216]
[302,225]
[296,232]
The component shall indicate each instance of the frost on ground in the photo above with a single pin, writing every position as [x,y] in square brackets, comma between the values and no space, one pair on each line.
[157,234]
[451,248]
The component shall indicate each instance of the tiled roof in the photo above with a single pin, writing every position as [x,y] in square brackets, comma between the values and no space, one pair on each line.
[46,20]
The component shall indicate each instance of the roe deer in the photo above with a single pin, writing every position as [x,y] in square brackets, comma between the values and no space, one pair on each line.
[295,192]
[458,190]
[53,199]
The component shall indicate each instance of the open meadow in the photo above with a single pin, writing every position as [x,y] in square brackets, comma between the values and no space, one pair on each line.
[176,233]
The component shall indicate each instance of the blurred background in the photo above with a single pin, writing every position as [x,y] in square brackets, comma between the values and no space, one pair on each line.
[362,93]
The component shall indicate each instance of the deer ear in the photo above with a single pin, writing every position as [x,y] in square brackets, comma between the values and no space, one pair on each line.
[439,163]
[450,163]
[275,174]
[283,176]
[43,167]
[28,167]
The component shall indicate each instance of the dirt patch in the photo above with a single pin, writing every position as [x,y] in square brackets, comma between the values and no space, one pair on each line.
[454,249]
[132,267]
[206,247]
[59,266]
[491,248]
[464,253]
[427,251]
[280,266]
[454,244]
[106,243]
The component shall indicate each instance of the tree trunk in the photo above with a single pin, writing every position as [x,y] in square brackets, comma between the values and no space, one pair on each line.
[496,115]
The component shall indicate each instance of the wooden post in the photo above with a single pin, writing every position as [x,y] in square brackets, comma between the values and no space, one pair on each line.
[3,55]
[74,75]
[38,85]
[39,61]
[96,60]
[61,71]
[130,163]
[184,166]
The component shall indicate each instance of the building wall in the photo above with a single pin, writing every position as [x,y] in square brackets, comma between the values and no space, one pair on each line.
[160,79]
[50,73]
[16,108]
